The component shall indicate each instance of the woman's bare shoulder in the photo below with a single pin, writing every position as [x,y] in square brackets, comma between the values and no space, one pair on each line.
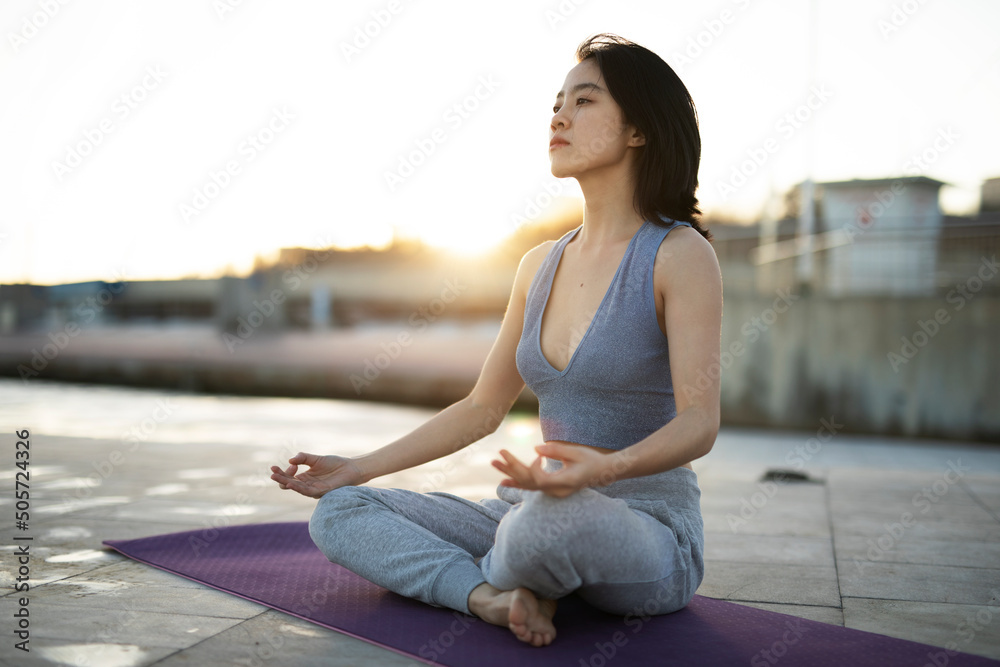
[684,255]
[684,247]
[530,263]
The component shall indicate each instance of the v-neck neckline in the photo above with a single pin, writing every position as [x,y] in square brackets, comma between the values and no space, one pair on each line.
[548,295]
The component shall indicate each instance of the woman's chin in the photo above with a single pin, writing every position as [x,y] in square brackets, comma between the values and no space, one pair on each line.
[562,171]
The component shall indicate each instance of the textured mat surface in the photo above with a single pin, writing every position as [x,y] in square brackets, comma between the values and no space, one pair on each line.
[277,565]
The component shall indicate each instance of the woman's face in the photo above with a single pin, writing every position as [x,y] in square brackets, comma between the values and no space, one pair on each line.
[590,122]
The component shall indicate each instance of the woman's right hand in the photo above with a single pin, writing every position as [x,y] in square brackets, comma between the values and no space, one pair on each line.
[325,474]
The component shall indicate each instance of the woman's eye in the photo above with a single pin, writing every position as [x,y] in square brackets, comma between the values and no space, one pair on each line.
[555,109]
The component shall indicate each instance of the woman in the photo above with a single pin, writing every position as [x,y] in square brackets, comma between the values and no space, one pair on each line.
[613,515]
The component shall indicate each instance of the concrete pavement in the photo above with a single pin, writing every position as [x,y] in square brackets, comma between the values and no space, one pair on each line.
[897,537]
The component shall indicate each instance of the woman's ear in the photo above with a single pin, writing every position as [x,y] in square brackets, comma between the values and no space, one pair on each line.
[637,138]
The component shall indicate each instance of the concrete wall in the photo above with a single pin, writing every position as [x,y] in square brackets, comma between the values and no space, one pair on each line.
[796,360]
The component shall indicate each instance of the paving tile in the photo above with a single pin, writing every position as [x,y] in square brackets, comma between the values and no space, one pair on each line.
[901,477]
[914,549]
[916,583]
[771,582]
[943,510]
[830,615]
[963,527]
[48,564]
[769,549]
[46,651]
[72,533]
[969,628]
[276,638]
[986,490]
[124,570]
[773,519]
[182,511]
[83,622]
[96,590]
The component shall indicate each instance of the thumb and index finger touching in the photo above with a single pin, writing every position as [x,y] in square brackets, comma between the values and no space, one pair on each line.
[303,458]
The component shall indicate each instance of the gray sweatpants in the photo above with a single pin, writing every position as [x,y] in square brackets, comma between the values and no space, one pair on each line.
[634,546]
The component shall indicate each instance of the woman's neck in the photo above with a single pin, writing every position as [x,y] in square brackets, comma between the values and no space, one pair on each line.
[609,215]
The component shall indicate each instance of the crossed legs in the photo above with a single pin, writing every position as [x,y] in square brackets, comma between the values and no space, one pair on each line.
[426,546]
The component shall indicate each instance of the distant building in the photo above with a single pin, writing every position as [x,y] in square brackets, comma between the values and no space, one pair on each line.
[885,236]
[881,235]
[989,196]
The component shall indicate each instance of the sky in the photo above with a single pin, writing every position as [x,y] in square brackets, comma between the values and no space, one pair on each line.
[163,140]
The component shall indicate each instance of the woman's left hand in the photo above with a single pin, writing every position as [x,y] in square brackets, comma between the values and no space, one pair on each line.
[583,466]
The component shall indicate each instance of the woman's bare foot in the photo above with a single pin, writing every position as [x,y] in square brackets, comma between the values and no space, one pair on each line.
[529,618]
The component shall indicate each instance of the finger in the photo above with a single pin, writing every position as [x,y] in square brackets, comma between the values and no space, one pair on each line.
[299,487]
[515,478]
[520,479]
[502,467]
[279,479]
[554,450]
[513,461]
[304,458]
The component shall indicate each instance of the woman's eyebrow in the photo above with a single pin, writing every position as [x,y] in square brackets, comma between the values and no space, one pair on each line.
[581,86]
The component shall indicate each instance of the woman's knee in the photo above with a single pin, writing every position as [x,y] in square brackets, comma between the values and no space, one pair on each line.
[324,517]
[543,529]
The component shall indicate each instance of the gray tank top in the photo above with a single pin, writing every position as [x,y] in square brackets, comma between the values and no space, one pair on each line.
[616,389]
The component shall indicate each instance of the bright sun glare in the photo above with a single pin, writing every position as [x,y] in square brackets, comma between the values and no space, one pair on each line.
[471,242]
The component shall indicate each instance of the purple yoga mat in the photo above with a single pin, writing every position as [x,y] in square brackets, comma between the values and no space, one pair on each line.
[277,565]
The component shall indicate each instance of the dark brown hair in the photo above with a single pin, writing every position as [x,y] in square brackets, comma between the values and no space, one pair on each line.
[654,99]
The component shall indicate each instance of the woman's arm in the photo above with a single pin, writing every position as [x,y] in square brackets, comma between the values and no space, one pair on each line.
[691,282]
[478,414]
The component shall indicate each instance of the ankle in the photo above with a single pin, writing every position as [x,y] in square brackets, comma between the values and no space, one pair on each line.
[482,595]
